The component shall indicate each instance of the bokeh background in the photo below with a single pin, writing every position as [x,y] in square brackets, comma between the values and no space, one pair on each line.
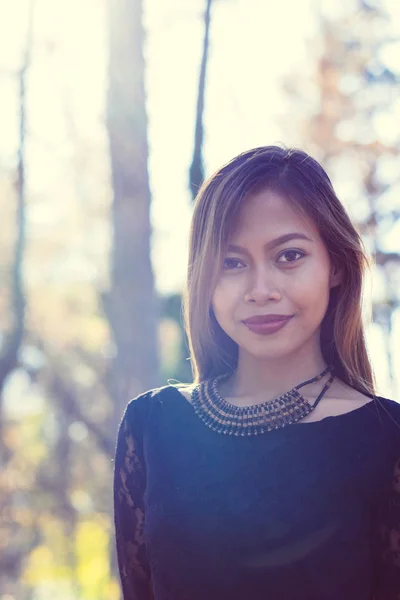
[111,114]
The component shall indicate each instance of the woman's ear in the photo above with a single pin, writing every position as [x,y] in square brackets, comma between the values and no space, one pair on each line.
[336,276]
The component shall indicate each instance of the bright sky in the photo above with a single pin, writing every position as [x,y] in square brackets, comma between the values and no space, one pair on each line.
[254,44]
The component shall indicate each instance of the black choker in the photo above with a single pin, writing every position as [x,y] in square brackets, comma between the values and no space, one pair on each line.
[226,418]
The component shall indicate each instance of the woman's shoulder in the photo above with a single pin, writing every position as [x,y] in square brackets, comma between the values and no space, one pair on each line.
[141,409]
[343,398]
[142,404]
[387,408]
[384,413]
[145,399]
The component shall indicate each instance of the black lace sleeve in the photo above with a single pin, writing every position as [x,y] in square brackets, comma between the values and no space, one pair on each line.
[129,515]
[388,541]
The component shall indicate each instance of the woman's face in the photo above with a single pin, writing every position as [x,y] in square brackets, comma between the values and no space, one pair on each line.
[276,266]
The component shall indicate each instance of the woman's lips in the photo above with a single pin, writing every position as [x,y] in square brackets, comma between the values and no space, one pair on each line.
[265,327]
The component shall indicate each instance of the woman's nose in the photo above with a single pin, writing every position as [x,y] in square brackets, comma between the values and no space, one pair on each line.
[262,287]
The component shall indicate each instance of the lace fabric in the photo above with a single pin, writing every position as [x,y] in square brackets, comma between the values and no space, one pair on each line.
[129,515]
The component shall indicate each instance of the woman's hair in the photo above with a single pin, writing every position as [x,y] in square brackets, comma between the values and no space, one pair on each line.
[303,182]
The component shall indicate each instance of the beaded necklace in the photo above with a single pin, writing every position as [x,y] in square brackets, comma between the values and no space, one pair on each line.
[228,419]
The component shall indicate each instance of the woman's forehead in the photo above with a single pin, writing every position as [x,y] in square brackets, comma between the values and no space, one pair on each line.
[270,211]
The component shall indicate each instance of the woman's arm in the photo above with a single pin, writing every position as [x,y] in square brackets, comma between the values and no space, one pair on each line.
[129,485]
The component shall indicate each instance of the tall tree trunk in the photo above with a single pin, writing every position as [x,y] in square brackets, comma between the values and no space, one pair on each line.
[17,540]
[196,172]
[130,304]
[9,355]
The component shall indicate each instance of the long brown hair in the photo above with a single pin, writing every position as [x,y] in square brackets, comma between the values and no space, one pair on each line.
[302,180]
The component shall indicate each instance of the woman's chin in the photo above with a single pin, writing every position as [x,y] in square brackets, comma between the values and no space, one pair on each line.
[272,353]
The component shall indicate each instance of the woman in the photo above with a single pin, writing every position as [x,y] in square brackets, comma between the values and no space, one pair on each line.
[274,476]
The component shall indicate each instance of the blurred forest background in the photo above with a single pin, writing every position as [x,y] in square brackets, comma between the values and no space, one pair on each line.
[112,112]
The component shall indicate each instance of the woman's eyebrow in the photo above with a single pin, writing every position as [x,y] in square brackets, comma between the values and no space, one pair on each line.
[287,237]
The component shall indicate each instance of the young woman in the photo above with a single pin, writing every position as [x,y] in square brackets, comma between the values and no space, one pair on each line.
[274,476]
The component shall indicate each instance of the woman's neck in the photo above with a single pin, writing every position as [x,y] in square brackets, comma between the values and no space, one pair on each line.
[266,379]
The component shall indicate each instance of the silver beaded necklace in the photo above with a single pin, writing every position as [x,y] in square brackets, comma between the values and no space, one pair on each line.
[226,418]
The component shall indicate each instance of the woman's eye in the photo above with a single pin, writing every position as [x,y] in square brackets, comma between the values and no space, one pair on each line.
[232,263]
[289,256]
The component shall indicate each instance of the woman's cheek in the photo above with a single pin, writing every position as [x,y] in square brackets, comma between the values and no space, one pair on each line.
[220,295]
[227,292]
[228,283]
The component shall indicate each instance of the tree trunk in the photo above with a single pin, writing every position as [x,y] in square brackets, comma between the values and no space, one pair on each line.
[130,304]
[9,355]
[196,172]
[17,540]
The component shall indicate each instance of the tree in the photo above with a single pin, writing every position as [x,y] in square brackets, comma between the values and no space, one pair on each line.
[17,538]
[196,171]
[130,304]
[171,307]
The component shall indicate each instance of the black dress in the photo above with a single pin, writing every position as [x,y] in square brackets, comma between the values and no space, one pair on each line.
[309,512]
